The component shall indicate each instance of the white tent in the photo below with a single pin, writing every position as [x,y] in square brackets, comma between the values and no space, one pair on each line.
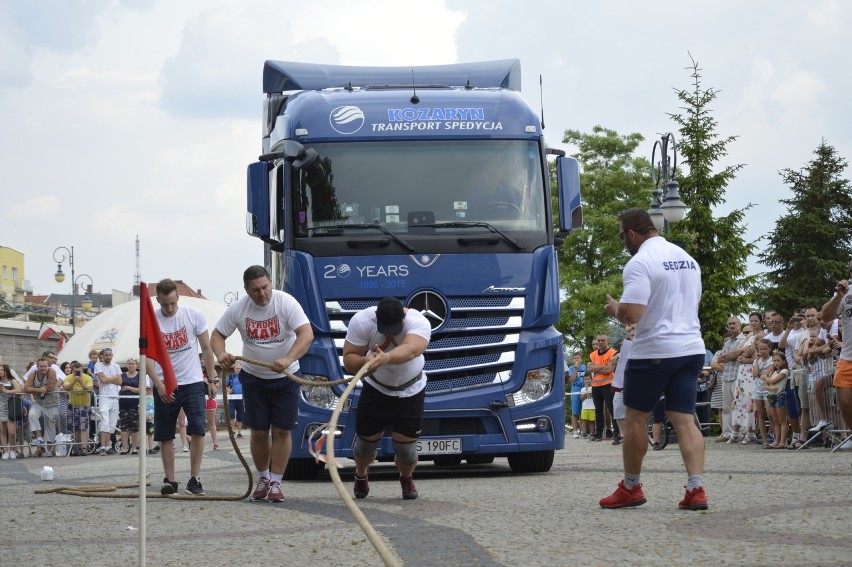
[118,329]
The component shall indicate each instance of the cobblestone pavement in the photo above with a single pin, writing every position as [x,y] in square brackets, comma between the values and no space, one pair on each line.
[766,507]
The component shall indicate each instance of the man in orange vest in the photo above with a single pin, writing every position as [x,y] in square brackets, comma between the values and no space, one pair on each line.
[603,371]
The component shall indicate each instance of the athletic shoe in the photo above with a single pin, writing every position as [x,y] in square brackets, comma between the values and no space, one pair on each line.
[193,487]
[362,487]
[169,487]
[48,452]
[820,426]
[694,499]
[595,438]
[156,449]
[576,435]
[623,497]
[185,449]
[274,493]
[617,440]
[110,451]
[657,446]
[409,491]
[5,456]
[261,490]
[12,455]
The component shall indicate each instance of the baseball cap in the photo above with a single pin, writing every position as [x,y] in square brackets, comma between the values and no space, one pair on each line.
[389,316]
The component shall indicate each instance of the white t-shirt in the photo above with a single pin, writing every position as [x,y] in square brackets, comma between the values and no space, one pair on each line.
[109,370]
[623,356]
[362,331]
[55,367]
[588,404]
[667,281]
[268,332]
[180,333]
[844,313]
[793,344]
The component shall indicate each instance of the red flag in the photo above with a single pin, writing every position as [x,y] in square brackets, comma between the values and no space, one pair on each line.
[45,332]
[62,338]
[151,339]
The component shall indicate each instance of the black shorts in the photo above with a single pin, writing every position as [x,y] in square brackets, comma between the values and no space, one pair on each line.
[376,411]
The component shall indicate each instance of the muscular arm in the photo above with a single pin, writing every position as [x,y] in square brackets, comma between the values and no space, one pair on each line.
[628,313]
[304,338]
[354,357]
[831,309]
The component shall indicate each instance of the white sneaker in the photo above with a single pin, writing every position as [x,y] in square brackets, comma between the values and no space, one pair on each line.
[11,454]
[185,449]
[5,456]
[576,435]
[820,426]
[48,453]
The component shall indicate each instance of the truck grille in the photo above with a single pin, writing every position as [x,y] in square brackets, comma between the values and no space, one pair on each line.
[476,346]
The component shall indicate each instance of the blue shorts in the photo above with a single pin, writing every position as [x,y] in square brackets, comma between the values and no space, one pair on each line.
[646,379]
[576,402]
[777,401]
[192,398]
[269,402]
[235,409]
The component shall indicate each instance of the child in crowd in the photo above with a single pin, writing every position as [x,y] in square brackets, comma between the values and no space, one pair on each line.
[761,368]
[587,414]
[575,377]
[775,383]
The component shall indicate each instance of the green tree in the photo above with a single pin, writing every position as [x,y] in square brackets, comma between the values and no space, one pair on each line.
[715,242]
[591,258]
[810,246]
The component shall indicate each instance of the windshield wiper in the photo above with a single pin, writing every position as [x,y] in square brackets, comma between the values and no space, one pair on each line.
[376,226]
[467,224]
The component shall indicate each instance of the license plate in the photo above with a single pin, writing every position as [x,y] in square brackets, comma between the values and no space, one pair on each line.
[448,446]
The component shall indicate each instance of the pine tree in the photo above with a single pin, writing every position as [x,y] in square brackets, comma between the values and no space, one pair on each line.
[810,246]
[715,242]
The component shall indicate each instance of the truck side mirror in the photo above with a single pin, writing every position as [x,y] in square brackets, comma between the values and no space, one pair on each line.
[257,206]
[568,187]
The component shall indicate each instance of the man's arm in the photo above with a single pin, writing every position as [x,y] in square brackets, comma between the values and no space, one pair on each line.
[831,309]
[628,313]
[304,338]
[209,363]
[217,344]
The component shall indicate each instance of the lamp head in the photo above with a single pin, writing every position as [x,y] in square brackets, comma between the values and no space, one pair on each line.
[59,276]
[673,208]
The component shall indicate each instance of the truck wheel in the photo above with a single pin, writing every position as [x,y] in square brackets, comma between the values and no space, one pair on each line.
[302,469]
[531,462]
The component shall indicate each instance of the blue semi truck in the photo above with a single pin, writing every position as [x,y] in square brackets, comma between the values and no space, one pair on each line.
[430,184]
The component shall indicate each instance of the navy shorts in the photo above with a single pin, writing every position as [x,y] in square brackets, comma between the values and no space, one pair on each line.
[793,410]
[269,402]
[376,411]
[645,379]
[192,398]
[235,409]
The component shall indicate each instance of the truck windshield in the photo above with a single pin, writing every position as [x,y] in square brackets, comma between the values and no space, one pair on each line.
[406,185]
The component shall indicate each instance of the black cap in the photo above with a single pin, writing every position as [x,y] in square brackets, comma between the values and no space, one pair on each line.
[389,316]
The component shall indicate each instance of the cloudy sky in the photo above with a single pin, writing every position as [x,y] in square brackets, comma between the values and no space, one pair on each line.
[126,117]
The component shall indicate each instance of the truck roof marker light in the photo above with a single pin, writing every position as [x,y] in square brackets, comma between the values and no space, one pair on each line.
[530,129]
[301,132]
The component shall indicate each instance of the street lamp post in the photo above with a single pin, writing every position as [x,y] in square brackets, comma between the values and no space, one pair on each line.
[666,206]
[59,256]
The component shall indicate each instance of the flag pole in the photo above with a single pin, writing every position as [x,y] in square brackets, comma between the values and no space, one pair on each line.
[143,447]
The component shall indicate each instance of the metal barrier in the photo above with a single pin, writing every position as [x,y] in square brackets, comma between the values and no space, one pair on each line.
[822,398]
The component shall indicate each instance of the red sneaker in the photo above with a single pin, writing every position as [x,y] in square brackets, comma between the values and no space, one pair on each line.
[409,491]
[362,487]
[274,493]
[624,498]
[261,490]
[695,499]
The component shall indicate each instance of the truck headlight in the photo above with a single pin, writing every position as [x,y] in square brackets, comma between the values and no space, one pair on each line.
[538,384]
[319,396]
